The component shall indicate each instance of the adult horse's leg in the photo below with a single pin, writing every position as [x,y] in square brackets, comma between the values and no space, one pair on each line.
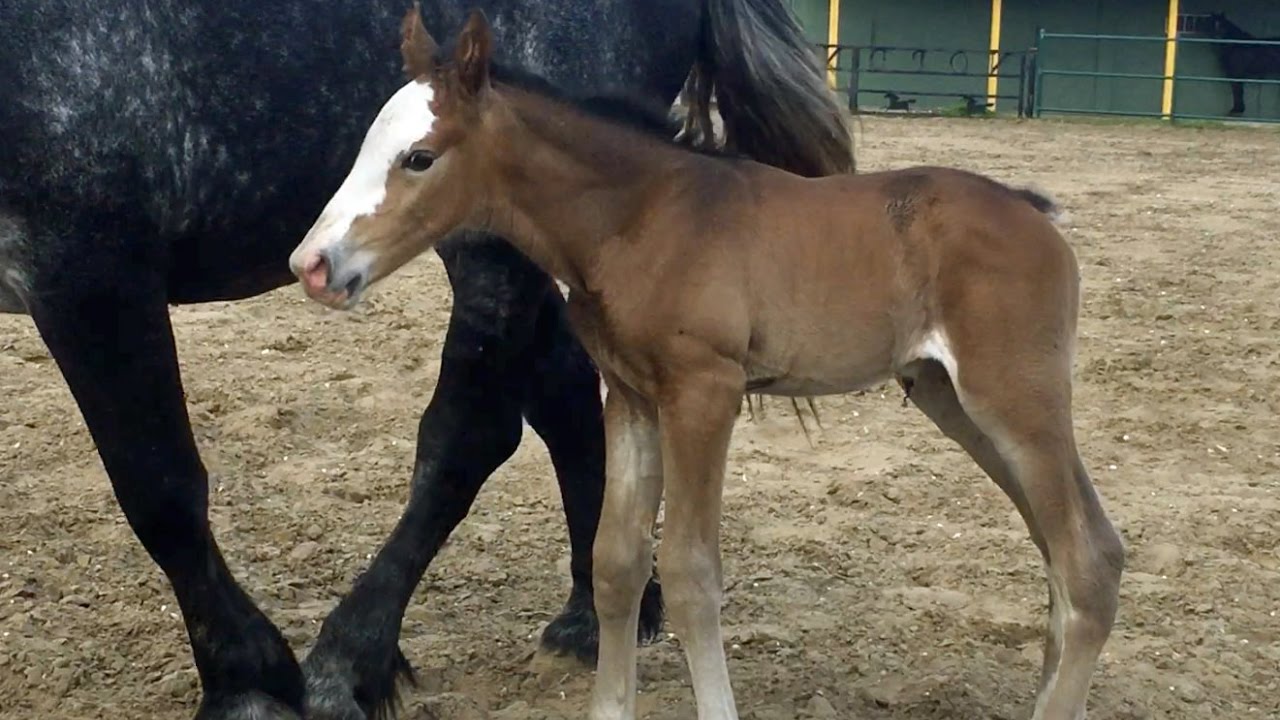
[1229,58]
[1237,99]
[505,335]
[563,405]
[105,320]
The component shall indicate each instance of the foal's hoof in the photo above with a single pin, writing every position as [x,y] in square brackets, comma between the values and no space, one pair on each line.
[576,631]
[249,706]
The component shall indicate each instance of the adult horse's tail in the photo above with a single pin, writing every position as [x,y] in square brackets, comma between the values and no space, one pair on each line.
[770,88]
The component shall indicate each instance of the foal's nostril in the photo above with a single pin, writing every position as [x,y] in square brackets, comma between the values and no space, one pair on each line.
[316,273]
[354,285]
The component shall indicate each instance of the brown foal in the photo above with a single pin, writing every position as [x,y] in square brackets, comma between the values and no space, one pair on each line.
[695,279]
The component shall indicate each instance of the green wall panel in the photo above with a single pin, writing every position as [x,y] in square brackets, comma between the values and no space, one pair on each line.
[1099,17]
[965,24]
[958,24]
[814,15]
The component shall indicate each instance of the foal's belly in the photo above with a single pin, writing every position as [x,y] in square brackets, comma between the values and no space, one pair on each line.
[825,365]
[802,387]
[825,318]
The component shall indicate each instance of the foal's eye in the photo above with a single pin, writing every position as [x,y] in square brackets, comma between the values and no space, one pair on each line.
[418,161]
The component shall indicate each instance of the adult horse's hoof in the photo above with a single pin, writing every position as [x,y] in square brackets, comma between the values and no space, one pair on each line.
[352,682]
[249,706]
[576,631]
[332,696]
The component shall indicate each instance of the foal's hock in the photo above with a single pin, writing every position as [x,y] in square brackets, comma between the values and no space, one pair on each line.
[695,278]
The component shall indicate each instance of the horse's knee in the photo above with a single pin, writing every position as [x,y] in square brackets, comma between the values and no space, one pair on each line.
[1109,549]
[621,567]
[691,580]
[169,516]
[1097,568]
[476,430]
[1099,549]
[1086,559]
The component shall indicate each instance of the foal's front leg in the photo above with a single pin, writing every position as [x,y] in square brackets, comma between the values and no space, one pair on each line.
[695,423]
[563,405]
[623,548]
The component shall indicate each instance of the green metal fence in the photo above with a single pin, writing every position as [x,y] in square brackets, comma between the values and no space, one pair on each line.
[904,73]
[1050,57]
[1185,42]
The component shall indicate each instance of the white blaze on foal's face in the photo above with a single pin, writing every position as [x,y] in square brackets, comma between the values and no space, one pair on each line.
[403,121]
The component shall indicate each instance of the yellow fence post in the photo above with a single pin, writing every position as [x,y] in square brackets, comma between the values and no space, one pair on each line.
[1170,59]
[833,38]
[993,61]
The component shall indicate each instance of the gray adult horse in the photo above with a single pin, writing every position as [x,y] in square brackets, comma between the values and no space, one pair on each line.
[157,152]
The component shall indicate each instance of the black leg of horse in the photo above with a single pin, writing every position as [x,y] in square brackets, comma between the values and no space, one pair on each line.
[562,404]
[1237,99]
[472,425]
[115,348]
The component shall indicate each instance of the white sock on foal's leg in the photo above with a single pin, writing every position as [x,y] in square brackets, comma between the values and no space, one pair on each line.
[695,431]
[623,551]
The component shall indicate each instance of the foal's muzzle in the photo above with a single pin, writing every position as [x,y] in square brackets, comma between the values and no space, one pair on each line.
[330,277]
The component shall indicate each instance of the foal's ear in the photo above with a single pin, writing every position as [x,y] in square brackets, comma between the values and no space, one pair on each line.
[416,46]
[475,45]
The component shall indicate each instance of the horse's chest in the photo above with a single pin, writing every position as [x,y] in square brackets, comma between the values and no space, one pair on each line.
[605,340]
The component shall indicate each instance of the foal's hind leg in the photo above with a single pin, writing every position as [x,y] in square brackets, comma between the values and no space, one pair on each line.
[1024,441]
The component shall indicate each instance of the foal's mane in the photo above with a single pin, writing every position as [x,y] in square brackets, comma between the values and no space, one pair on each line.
[617,109]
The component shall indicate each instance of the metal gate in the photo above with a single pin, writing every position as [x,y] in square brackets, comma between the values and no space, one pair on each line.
[1052,46]
[879,71]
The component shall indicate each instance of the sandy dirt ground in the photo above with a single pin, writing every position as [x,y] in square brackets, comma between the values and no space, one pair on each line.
[875,574]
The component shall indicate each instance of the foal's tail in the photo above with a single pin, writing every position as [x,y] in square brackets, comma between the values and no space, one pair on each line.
[770,87]
[1043,202]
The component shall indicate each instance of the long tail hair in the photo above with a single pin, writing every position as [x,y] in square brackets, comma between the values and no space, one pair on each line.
[770,90]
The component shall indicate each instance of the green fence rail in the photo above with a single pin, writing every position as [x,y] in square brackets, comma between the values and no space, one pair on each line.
[869,71]
[1044,68]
